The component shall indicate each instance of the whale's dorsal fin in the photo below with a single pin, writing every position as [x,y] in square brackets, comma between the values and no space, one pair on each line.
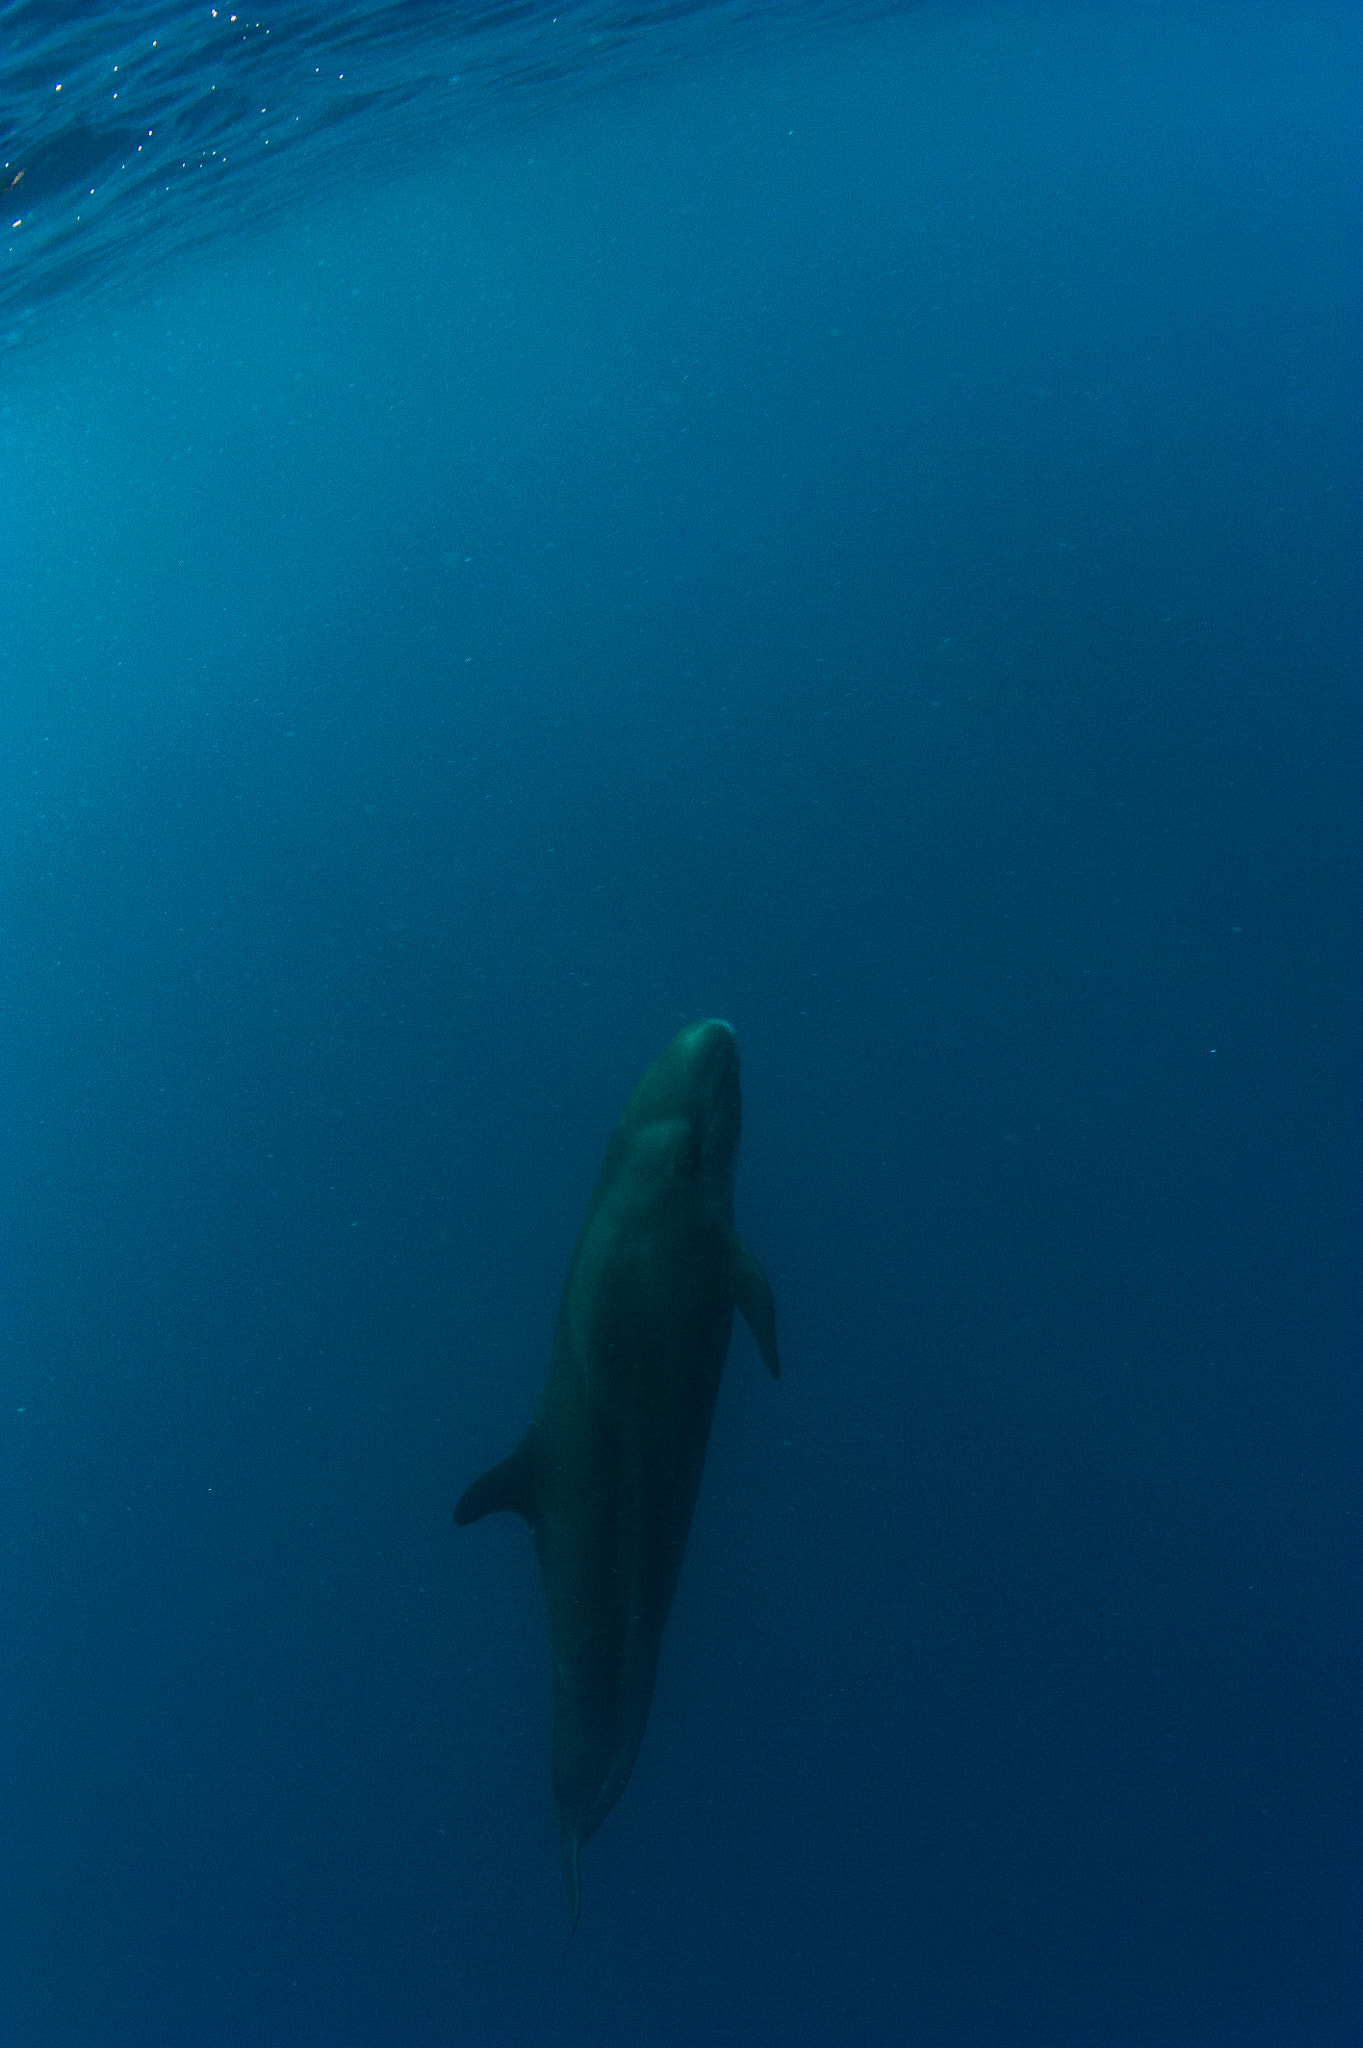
[753,1300]
[509,1488]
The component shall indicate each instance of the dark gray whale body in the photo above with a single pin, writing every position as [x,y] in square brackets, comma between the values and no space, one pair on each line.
[607,1474]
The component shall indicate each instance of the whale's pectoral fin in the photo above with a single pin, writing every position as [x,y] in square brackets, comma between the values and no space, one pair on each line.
[753,1299]
[508,1488]
[572,1843]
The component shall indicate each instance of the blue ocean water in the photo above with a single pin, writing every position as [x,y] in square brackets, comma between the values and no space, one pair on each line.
[841,518]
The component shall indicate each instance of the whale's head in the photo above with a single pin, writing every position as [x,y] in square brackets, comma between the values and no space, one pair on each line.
[694,1084]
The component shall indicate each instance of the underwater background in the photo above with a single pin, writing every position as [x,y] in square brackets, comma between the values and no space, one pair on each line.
[842,518]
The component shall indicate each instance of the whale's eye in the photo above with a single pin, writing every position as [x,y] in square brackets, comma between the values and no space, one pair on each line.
[686,1158]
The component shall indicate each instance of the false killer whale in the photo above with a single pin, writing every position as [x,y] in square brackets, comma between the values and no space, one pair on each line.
[607,1474]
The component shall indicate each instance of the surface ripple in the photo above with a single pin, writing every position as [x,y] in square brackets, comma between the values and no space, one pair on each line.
[129,133]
